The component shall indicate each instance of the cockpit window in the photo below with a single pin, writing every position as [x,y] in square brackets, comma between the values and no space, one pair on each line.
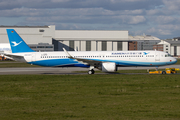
[168,55]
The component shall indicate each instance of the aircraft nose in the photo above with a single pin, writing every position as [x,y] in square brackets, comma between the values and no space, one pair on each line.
[174,60]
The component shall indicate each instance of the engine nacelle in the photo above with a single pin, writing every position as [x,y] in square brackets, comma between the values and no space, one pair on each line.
[108,67]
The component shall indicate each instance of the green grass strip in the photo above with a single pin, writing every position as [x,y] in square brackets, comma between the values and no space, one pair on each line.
[90,97]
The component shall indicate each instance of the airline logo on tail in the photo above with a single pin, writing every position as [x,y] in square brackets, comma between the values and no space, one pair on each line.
[16,44]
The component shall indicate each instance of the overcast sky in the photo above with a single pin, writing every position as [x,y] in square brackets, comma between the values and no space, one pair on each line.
[160,18]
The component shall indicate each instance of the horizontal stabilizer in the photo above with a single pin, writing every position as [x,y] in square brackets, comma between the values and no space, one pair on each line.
[13,56]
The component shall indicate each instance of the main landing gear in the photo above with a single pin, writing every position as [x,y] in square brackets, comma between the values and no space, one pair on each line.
[90,72]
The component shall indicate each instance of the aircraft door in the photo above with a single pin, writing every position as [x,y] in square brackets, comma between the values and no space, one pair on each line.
[33,58]
[157,56]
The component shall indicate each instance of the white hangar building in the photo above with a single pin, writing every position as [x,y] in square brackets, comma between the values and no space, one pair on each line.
[47,38]
[91,40]
[170,46]
[38,38]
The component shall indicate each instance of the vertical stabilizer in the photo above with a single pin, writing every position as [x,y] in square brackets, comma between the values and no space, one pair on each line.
[17,43]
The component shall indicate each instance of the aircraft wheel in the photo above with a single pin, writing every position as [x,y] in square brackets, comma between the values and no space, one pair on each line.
[90,72]
[163,72]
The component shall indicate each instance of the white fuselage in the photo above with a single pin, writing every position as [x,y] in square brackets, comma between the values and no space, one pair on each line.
[121,58]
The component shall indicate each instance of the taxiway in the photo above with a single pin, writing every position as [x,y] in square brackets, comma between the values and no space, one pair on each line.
[65,70]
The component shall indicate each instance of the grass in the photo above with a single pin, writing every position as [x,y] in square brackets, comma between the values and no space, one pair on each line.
[126,71]
[107,97]
[178,62]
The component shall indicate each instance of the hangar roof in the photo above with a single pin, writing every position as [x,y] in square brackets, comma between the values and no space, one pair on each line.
[173,43]
[24,26]
[143,37]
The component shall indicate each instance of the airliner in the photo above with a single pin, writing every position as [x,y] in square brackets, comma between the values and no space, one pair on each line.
[106,61]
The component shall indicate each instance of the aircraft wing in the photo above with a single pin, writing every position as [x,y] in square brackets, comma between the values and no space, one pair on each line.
[84,61]
[87,61]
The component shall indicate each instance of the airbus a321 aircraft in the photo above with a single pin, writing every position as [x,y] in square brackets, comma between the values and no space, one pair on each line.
[107,61]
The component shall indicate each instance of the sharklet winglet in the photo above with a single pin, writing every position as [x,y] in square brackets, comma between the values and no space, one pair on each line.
[69,56]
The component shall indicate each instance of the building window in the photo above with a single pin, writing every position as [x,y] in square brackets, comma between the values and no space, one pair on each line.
[40,46]
[119,46]
[49,46]
[32,47]
[71,45]
[104,45]
[88,45]
[41,30]
[175,50]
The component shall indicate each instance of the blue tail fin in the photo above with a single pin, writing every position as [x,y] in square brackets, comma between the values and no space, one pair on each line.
[17,43]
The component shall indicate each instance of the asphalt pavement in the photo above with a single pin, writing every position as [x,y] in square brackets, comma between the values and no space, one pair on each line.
[65,70]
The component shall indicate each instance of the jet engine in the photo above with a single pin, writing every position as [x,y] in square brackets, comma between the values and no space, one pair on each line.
[108,67]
